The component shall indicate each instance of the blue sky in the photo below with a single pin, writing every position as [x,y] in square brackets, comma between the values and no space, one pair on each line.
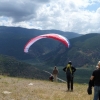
[80,16]
[93,7]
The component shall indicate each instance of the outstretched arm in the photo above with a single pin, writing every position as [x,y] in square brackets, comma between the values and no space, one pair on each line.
[64,69]
[73,69]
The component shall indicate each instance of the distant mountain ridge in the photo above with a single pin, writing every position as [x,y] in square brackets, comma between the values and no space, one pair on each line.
[13,40]
[83,52]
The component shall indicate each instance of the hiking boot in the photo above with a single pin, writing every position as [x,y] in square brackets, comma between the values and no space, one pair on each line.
[67,90]
[71,90]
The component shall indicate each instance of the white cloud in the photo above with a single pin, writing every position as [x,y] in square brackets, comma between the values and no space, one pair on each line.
[66,15]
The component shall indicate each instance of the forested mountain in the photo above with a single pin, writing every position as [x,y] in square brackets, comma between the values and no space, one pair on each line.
[14,68]
[13,40]
[84,51]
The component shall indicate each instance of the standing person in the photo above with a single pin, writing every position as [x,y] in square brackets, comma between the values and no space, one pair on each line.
[95,77]
[69,69]
[55,73]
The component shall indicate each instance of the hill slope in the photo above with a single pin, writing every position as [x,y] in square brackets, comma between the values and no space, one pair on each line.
[12,67]
[83,52]
[23,89]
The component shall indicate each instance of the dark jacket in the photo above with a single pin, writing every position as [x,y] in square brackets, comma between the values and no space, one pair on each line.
[72,68]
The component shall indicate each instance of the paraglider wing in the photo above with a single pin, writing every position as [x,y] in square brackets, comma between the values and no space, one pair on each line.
[33,40]
[53,36]
[58,37]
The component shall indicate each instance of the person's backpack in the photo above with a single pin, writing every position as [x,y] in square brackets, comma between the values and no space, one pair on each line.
[90,85]
[89,90]
[51,78]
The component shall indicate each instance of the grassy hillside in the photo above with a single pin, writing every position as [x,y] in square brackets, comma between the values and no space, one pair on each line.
[28,89]
[15,68]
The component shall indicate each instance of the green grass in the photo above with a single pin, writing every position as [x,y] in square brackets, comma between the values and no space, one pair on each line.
[19,89]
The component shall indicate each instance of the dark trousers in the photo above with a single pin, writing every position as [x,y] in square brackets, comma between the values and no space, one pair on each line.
[99,96]
[69,82]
